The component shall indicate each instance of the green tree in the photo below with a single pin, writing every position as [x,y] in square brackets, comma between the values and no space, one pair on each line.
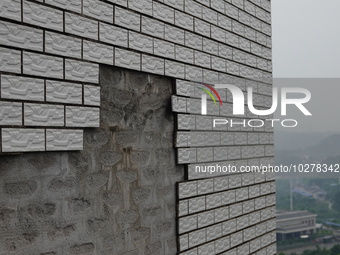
[335,250]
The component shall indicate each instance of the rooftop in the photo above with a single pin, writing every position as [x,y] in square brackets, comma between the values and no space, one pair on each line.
[287,215]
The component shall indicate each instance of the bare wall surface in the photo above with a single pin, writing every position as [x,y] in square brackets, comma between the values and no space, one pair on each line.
[117,196]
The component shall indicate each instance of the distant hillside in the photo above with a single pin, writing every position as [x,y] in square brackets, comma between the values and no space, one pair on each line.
[297,141]
[328,147]
[326,150]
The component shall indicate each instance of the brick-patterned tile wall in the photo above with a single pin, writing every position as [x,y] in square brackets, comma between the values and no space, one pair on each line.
[117,196]
[227,215]
[50,51]
[223,212]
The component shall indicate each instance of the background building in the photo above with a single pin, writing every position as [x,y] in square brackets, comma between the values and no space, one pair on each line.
[96,78]
[294,224]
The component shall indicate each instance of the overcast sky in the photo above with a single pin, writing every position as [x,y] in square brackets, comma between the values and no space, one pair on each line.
[306,44]
[306,38]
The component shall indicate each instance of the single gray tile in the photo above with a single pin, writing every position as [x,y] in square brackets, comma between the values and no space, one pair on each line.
[228,227]
[187,189]
[24,88]
[82,116]
[113,35]
[64,92]
[10,113]
[20,36]
[10,60]
[97,52]
[81,71]
[143,6]
[222,244]
[152,64]
[186,224]
[205,219]
[22,140]
[11,9]
[91,95]
[98,10]
[127,19]
[127,59]
[81,26]
[44,115]
[40,15]
[235,210]
[221,214]
[197,237]
[205,186]
[214,200]
[64,140]
[197,204]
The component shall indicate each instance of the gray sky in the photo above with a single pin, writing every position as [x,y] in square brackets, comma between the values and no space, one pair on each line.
[306,38]
[306,44]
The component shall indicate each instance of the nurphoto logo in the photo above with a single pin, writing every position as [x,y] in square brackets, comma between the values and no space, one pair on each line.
[239,104]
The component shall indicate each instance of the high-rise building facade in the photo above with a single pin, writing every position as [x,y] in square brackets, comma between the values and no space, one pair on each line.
[104,147]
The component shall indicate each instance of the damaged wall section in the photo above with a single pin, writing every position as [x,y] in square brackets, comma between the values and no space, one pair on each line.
[117,196]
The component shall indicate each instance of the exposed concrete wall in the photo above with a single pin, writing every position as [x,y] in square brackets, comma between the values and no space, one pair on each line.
[117,196]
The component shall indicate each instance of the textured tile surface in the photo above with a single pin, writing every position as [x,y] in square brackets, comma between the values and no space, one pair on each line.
[21,140]
[140,42]
[64,139]
[63,92]
[98,10]
[97,52]
[153,27]
[201,40]
[43,16]
[91,95]
[231,223]
[11,9]
[71,5]
[113,35]
[174,69]
[144,6]
[62,45]
[21,36]
[43,115]
[127,59]
[10,60]
[164,49]
[81,71]
[82,116]
[152,64]
[126,18]
[16,87]
[163,12]
[10,113]
[184,20]
[43,65]
[81,26]
[174,34]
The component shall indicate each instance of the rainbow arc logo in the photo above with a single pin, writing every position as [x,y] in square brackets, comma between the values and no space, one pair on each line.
[204,96]
[239,99]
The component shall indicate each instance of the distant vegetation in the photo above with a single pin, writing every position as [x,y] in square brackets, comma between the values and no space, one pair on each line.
[319,148]
[308,203]
[335,250]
